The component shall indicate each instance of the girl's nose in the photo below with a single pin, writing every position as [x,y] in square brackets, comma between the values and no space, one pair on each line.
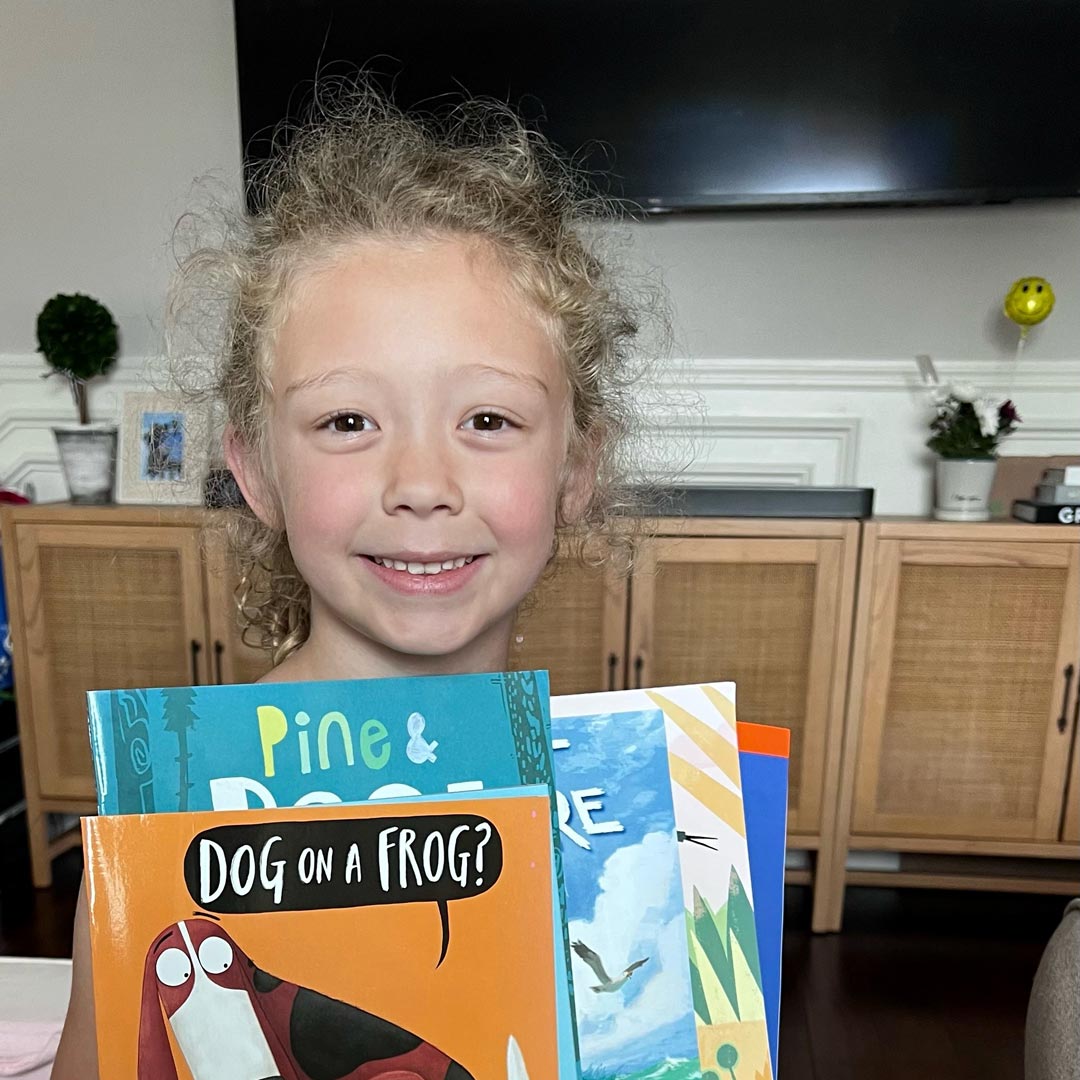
[421,481]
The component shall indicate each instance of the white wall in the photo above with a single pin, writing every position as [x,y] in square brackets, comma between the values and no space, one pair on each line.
[861,284]
[800,325]
[109,109]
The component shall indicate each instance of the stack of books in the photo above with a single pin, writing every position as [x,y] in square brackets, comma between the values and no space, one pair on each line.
[1056,500]
[447,878]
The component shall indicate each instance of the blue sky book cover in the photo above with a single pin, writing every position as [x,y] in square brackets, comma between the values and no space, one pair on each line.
[624,896]
[681,992]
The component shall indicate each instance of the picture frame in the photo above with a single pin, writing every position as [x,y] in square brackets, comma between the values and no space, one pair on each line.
[163,452]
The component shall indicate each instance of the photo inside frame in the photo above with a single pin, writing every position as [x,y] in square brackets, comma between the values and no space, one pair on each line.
[161,454]
[164,450]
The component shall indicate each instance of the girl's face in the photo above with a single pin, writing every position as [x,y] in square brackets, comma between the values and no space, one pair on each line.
[418,438]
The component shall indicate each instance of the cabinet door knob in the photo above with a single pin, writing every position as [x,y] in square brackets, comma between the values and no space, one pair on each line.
[1062,719]
[196,648]
[612,664]
[639,664]
[218,650]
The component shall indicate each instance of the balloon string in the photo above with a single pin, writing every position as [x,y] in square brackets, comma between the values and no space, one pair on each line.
[1011,379]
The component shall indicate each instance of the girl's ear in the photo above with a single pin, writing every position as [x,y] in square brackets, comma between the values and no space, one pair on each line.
[247,468]
[579,482]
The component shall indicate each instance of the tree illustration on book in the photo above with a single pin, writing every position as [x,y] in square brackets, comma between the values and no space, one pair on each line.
[179,719]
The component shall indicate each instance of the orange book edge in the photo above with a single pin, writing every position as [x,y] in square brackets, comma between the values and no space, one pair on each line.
[764,739]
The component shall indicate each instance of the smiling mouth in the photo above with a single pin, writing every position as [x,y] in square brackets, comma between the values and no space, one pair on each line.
[421,568]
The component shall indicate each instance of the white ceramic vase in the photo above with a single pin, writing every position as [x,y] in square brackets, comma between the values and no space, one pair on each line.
[88,458]
[962,490]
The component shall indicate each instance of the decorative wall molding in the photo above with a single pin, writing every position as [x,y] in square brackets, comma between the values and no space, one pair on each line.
[768,473]
[35,419]
[861,375]
[22,368]
[773,421]
[720,373]
[1060,433]
[840,433]
[32,468]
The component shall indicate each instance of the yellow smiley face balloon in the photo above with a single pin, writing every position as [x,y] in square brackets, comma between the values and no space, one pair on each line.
[1029,301]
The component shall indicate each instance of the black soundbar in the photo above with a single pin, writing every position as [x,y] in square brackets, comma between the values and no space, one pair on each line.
[736,500]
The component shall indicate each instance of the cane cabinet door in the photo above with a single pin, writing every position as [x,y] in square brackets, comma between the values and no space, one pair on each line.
[762,612]
[102,607]
[965,727]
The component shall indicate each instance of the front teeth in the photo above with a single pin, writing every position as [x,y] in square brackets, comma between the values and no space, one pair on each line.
[424,568]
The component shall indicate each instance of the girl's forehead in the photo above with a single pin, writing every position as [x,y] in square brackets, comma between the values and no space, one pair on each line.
[391,302]
[382,266]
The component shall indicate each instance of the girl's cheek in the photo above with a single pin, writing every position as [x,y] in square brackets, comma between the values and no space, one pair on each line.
[317,494]
[523,501]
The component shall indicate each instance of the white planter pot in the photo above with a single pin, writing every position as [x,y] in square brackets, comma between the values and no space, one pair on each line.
[963,489]
[88,457]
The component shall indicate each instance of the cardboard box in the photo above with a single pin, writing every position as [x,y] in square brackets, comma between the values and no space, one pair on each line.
[1018,477]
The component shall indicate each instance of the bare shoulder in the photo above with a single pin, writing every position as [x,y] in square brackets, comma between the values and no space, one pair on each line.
[298,666]
[291,670]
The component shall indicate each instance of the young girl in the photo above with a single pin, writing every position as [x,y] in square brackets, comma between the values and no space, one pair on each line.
[425,373]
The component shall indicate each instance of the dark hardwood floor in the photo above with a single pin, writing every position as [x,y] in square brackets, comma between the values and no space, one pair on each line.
[919,985]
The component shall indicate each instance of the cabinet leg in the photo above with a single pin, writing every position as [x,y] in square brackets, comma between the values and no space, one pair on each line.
[37,828]
[827,912]
[839,876]
[821,893]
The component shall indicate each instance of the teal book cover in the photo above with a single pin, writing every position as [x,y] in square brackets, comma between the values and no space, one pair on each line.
[274,745]
[267,745]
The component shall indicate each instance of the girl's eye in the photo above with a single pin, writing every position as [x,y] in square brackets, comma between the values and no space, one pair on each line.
[488,421]
[348,423]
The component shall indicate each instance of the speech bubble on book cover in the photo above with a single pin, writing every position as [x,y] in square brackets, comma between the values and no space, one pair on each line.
[342,863]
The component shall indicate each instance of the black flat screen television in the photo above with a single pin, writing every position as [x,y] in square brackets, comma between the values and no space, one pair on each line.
[711,104]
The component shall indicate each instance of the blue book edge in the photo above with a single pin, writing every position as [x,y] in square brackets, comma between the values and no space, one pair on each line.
[765,800]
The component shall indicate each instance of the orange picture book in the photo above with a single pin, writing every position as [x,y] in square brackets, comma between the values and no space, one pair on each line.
[384,941]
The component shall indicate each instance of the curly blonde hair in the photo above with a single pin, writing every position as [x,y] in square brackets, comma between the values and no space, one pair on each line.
[363,168]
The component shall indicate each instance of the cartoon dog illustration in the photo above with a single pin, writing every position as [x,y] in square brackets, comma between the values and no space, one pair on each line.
[233,1021]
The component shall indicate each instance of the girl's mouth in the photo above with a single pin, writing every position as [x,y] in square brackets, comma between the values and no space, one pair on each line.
[427,577]
[417,568]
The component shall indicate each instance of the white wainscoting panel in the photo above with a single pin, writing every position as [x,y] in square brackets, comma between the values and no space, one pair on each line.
[29,407]
[773,421]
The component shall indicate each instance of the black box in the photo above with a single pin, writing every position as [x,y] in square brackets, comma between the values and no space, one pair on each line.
[1046,513]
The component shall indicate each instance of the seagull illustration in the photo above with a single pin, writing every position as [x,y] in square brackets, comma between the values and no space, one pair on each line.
[607,985]
[690,838]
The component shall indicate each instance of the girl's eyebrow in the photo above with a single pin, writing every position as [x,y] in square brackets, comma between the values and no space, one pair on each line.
[527,378]
[331,375]
[534,382]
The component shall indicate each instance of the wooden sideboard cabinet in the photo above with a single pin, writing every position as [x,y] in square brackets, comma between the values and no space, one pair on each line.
[100,598]
[929,673]
[962,723]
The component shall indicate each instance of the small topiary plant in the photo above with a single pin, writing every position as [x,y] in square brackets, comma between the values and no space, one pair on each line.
[79,339]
